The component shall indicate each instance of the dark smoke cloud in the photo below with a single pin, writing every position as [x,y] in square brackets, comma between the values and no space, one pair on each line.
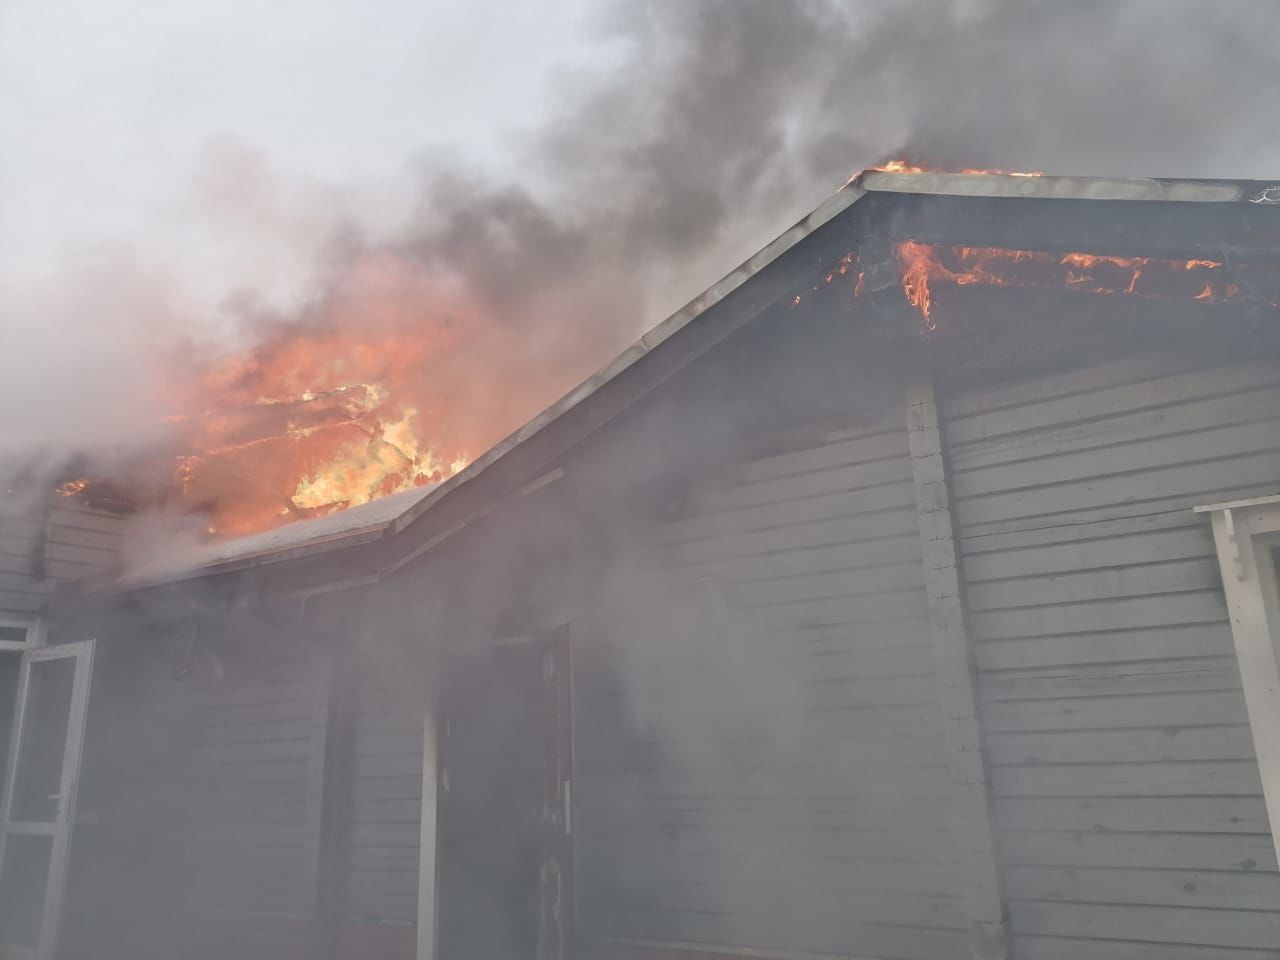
[729,118]
[723,122]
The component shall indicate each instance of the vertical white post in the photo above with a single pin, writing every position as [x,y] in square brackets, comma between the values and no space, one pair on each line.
[957,693]
[427,840]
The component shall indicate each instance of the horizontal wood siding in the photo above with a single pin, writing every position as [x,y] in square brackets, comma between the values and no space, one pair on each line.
[384,812]
[1127,802]
[80,542]
[23,586]
[246,747]
[41,548]
[825,827]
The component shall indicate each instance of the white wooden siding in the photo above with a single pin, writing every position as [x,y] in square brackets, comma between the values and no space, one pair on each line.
[37,551]
[840,842]
[1126,794]
[21,590]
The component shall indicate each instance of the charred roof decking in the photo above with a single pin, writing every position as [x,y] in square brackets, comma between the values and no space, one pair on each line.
[573,417]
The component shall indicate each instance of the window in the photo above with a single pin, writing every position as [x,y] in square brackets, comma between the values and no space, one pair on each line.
[1247,536]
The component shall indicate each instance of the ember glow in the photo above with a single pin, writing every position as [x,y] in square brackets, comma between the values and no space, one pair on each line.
[925,267]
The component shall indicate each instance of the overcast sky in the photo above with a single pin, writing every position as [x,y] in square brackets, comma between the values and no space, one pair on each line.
[110,109]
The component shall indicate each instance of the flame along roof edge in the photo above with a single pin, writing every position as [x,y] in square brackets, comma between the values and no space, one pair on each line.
[247,551]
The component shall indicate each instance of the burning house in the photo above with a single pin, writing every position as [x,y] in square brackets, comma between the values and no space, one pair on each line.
[910,595]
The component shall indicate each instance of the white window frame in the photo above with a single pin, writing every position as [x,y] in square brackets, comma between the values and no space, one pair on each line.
[1246,532]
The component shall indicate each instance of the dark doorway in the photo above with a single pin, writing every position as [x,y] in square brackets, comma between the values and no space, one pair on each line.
[505,888]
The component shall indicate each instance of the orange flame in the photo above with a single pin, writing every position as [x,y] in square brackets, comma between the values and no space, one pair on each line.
[906,166]
[310,422]
[899,166]
[924,266]
[73,487]
[393,381]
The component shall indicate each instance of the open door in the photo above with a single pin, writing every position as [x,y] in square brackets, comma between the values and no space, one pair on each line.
[38,802]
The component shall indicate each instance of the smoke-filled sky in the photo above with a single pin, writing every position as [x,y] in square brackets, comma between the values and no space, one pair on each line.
[179,171]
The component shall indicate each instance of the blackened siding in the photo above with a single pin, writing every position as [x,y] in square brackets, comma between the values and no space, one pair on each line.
[1127,800]
[818,820]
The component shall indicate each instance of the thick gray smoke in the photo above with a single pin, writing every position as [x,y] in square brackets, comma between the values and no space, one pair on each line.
[729,118]
[722,122]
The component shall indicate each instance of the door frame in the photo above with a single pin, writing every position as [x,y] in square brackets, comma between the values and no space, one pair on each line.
[439,746]
[60,828]
[559,850]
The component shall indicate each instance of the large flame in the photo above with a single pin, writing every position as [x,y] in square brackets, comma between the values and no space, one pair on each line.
[310,422]
[372,392]
[293,451]
[353,404]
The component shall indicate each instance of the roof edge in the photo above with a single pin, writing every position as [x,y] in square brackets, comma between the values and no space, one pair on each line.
[1071,188]
[356,536]
[835,204]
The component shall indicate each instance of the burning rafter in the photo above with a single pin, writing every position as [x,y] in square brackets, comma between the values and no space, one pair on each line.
[926,266]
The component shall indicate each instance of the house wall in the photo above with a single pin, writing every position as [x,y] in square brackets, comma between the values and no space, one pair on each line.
[251,788]
[1128,805]
[816,819]
[322,780]
[759,749]
[248,738]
